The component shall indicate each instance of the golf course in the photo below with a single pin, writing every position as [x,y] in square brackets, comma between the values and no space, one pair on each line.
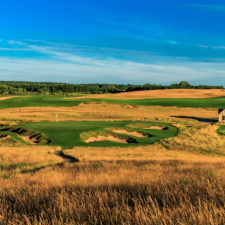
[80,150]
[70,134]
[112,112]
[61,101]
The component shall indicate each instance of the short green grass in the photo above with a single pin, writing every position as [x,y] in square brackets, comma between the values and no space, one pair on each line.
[68,134]
[60,101]
[221,130]
[184,102]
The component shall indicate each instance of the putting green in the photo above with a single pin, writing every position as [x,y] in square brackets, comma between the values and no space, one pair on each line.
[69,134]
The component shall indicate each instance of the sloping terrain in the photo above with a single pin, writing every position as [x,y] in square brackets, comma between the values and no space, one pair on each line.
[168,93]
[61,101]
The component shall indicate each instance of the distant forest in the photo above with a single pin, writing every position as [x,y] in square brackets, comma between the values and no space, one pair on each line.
[20,87]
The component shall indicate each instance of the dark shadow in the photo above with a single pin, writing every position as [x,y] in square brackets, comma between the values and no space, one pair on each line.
[33,170]
[205,120]
[67,158]
[131,140]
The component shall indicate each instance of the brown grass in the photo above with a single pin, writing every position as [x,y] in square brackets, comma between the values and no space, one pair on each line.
[193,143]
[102,111]
[15,160]
[197,139]
[154,152]
[167,192]
[133,185]
[179,180]
[11,142]
[28,154]
[170,93]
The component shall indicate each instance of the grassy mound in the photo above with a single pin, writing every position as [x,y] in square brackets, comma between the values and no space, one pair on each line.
[20,132]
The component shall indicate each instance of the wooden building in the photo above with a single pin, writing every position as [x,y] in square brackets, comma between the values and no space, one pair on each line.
[221,115]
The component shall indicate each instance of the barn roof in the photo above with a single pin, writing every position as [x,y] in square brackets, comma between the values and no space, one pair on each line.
[220,110]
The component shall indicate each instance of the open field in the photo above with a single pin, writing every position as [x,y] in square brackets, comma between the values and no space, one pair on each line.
[145,154]
[17,160]
[61,101]
[104,111]
[167,168]
[166,192]
[168,93]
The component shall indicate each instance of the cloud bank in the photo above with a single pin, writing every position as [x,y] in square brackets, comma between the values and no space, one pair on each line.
[61,64]
[109,71]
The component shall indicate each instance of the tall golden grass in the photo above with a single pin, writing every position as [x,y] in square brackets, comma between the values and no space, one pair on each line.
[192,142]
[169,93]
[102,111]
[15,160]
[179,180]
[29,154]
[136,192]
[202,139]
[134,185]
[154,152]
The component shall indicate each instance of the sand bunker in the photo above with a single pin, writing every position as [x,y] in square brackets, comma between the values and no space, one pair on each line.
[132,133]
[157,128]
[3,137]
[29,140]
[8,97]
[105,138]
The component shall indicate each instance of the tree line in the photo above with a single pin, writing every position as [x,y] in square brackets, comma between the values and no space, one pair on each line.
[20,87]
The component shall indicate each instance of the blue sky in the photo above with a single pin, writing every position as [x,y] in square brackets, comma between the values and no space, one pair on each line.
[96,41]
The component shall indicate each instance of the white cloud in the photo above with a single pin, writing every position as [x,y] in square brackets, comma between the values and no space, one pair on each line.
[68,67]
[216,47]
[108,71]
[15,49]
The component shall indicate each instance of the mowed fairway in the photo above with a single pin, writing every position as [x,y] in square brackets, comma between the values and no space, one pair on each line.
[61,101]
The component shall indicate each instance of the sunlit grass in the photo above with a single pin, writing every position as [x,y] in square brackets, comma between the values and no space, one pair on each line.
[204,139]
[103,111]
[136,192]
[15,160]
[179,180]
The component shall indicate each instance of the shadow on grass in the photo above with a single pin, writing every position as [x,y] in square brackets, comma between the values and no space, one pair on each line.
[199,119]
[67,158]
